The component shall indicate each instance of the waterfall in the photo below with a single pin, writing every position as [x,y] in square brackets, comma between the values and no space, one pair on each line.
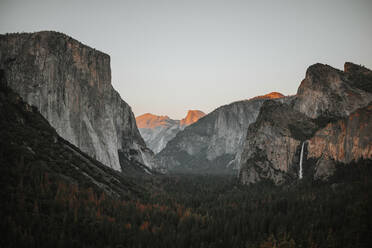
[301,157]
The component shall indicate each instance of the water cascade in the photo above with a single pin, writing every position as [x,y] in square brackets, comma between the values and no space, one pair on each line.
[301,157]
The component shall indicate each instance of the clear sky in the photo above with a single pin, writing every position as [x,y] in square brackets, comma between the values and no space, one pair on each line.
[168,56]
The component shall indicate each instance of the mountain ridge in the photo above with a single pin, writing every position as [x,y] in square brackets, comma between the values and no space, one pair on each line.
[158,130]
[212,143]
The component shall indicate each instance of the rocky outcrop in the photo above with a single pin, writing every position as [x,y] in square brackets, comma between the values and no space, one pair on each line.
[212,143]
[70,84]
[329,93]
[330,113]
[158,130]
[359,76]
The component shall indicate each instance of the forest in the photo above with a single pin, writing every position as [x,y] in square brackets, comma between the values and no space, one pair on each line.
[40,209]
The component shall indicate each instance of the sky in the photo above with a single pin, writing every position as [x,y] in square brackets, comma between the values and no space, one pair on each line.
[169,56]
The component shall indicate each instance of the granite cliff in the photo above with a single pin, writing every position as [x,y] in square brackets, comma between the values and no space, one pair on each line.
[29,145]
[70,83]
[346,140]
[330,115]
[212,144]
[158,130]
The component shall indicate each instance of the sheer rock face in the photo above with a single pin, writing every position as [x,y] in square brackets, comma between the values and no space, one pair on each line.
[29,143]
[330,113]
[70,84]
[272,142]
[212,143]
[346,140]
[158,130]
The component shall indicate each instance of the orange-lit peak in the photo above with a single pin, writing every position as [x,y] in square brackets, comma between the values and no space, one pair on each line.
[151,121]
[192,117]
[271,95]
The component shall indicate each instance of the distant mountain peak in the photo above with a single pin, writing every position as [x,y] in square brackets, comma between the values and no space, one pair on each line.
[192,117]
[271,95]
[149,120]
[158,130]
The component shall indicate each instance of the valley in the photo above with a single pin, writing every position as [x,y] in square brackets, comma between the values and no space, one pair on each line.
[79,170]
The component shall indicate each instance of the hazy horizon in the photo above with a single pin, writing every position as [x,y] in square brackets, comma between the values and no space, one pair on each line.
[171,56]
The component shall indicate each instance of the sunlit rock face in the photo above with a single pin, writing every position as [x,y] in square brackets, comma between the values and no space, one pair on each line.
[158,130]
[211,144]
[346,140]
[151,121]
[330,113]
[70,83]
[191,117]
